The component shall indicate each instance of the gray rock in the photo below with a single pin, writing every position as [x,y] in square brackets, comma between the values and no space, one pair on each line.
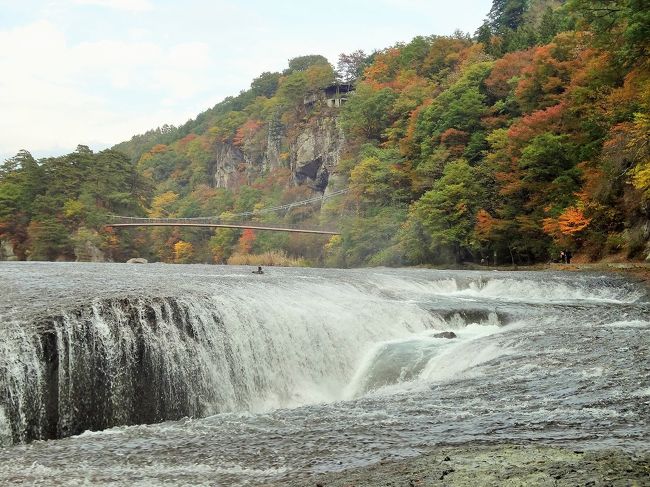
[137,260]
[224,167]
[445,334]
[7,251]
[88,252]
[316,152]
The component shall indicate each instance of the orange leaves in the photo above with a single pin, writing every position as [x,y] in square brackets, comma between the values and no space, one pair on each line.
[246,131]
[246,241]
[159,149]
[186,140]
[569,224]
[407,142]
[383,68]
[572,221]
[546,120]
[498,83]
[485,226]
[455,140]
[407,80]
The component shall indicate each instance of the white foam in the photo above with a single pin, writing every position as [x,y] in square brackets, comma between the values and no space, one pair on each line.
[628,324]
[444,359]
[509,289]
[5,429]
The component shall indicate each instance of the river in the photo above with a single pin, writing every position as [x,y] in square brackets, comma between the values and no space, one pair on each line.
[211,375]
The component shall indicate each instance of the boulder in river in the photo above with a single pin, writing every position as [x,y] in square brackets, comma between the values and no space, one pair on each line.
[445,334]
[137,260]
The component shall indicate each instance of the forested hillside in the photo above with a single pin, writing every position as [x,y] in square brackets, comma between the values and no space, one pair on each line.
[527,137]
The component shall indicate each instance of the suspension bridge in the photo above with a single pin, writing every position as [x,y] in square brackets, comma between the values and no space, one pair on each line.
[238,220]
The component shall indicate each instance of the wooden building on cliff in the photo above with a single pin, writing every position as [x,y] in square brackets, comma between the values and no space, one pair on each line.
[334,95]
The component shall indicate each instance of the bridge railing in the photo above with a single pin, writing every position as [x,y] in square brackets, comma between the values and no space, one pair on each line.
[118,220]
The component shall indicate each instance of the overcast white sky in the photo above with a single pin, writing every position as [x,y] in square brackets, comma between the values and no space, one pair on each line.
[96,72]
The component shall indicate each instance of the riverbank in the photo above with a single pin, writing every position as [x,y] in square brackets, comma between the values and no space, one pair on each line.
[495,465]
[637,271]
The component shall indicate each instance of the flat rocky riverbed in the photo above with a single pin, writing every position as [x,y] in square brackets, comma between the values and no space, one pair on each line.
[500,465]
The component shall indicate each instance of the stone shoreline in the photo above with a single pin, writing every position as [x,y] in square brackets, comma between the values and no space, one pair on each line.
[495,465]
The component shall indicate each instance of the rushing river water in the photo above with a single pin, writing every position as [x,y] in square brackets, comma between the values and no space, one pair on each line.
[211,375]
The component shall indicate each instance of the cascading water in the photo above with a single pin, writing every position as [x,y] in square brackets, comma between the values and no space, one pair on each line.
[138,360]
[313,364]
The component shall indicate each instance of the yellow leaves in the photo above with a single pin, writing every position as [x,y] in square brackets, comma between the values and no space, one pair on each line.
[334,243]
[161,205]
[639,145]
[183,252]
[73,209]
[641,178]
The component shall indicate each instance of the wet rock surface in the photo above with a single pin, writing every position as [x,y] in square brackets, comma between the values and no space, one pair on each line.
[445,334]
[496,466]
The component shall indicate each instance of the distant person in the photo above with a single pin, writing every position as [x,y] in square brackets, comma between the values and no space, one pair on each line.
[562,256]
[259,270]
[568,255]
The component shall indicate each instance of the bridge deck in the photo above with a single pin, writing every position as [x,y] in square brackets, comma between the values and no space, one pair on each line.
[171,222]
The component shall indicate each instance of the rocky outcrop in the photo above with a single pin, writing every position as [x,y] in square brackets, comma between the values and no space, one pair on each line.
[7,251]
[445,334]
[272,157]
[316,152]
[311,154]
[87,251]
[228,161]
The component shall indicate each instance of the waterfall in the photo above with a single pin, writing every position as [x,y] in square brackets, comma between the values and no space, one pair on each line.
[143,360]
[236,344]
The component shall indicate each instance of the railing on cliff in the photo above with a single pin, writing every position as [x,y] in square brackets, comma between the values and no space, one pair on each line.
[232,221]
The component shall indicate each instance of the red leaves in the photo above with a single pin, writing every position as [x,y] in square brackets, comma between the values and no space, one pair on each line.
[246,241]
[246,131]
[505,69]
[546,120]
[455,140]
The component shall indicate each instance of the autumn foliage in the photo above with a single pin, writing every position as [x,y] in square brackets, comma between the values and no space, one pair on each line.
[532,135]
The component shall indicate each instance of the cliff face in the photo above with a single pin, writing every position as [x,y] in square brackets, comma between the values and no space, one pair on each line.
[316,151]
[228,160]
[311,154]
[7,251]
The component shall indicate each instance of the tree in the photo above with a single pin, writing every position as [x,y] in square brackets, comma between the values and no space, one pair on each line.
[163,205]
[459,107]
[368,112]
[302,63]
[507,14]
[266,84]
[246,241]
[350,66]
[183,252]
[622,26]
[447,212]
[48,240]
